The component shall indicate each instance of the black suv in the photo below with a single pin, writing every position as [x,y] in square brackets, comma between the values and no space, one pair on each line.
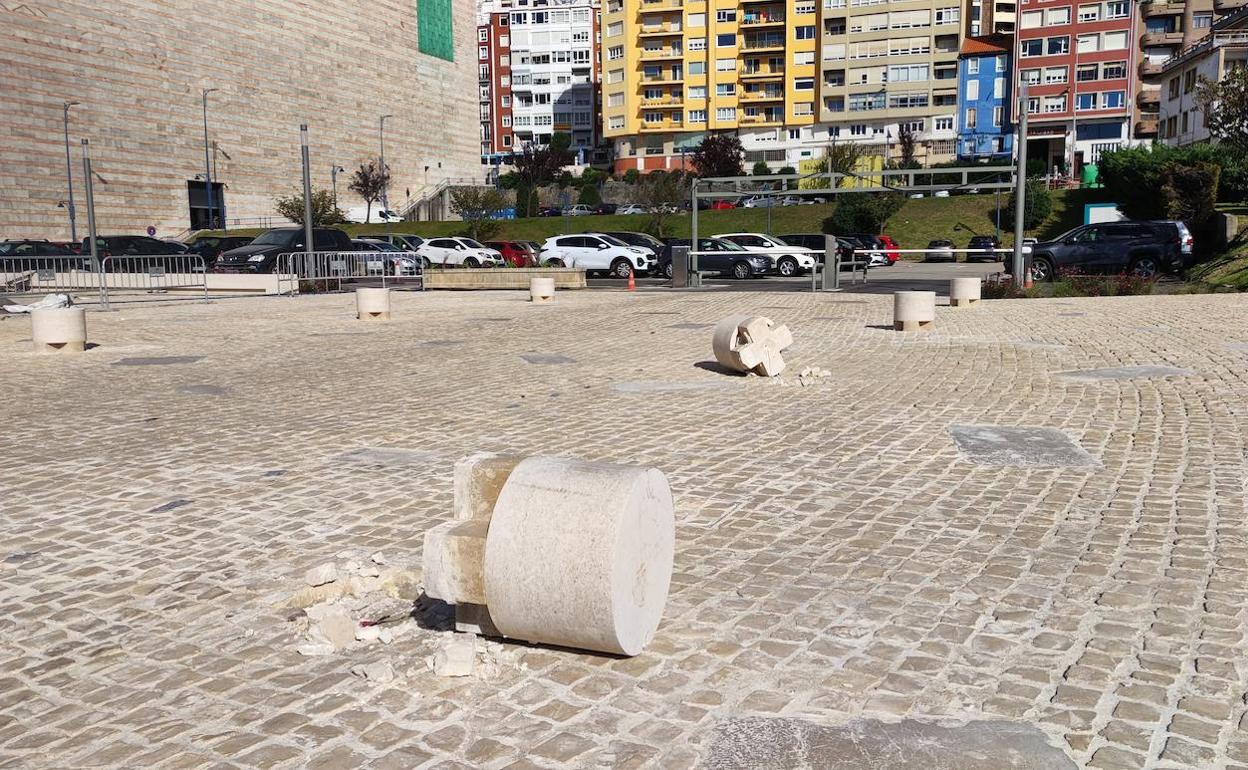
[20,256]
[260,256]
[985,242]
[212,246]
[720,256]
[640,240]
[133,253]
[1141,248]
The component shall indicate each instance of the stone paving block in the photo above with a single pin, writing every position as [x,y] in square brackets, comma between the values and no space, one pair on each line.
[1025,446]
[1125,373]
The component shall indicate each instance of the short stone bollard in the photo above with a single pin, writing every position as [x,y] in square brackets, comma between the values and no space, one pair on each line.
[59,329]
[751,344]
[964,292]
[555,551]
[372,304]
[541,290]
[914,310]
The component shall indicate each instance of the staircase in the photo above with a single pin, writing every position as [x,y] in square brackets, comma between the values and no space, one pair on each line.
[433,202]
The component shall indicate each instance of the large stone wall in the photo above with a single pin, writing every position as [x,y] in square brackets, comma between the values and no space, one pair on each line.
[138,66]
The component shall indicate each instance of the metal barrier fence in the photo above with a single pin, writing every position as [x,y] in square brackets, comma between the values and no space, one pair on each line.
[344,270]
[141,277]
[20,276]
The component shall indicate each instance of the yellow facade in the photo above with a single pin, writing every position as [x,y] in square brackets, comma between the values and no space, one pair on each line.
[674,70]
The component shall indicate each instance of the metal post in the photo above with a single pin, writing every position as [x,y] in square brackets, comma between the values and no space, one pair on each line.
[831,263]
[385,197]
[69,179]
[694,276]
[207,159]
[1020,186]
[307,192]
[95,247]
[334,171]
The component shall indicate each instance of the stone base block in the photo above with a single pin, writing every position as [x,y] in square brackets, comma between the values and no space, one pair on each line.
[372,304]
[913,326]
[59,329]
[956,302]
[541,290]
[914,310]
[454,561]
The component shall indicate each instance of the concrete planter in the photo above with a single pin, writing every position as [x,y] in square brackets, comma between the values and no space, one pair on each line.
[502,277]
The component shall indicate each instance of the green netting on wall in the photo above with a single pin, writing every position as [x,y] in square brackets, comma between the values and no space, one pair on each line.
[433,19]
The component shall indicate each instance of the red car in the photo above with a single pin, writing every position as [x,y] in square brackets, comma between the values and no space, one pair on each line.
[722,204]
[890,249]
[515,253]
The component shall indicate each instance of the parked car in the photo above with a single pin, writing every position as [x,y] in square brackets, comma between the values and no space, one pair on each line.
[261,255]
[27,255]
[760,202]
[209,247]
[405,241]
[796,200]
[31,248]
[881,245]
[891,249]
[515,253]
[606,208]
[719,256]
[131,245]
[579,210]
[596,253]
[632,208]
[718,205]
[385,257]
[815,242]
[459,252]
[786,260]
[550,211]
[865,249]
[1140,248]
[940,250]
[985,242]
[640,241]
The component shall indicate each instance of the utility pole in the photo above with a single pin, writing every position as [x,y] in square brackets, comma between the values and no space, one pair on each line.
[86,170]
[69,179]
[1020,187]
[208,160]
[307,190]
[385,198]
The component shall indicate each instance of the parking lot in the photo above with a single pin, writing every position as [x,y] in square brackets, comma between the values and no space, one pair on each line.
[868,559]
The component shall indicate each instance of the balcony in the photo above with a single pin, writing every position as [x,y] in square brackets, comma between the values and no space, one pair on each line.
[1223,6]
[762,73]
[1148,68]
[662,30]
[1161,38]
[661,6]
[1155,9]
[756,19]
[764,43]
[664,101]
[764,95]
[659,54]
[1146,127]
[661,125]
[662,79]
[773,119]
[1149,97]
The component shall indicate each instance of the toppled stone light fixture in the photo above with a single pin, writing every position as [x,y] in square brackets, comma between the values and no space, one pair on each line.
[555,551]
[914,311]
[751,344]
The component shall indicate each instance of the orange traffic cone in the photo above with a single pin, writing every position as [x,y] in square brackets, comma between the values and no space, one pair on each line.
[632,283]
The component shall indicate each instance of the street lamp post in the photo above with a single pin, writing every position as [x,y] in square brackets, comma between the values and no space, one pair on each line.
[385,198]
[208,160]
[334,171]
[91,231]
[304,151]
[69,179]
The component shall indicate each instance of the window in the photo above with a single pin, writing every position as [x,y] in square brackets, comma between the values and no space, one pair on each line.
[972,90]
[506,101]
[697,68]
[803,108]
[615,53]
[998,88]
[615,29]
[805,32]
[726,89]
[948,15]
[1056,17]
[504,41]
[1114,41]
[1085,102]
[804,84]
[483,53]
[1031,48]
[726,113]
[615,76]
[615,100]
[1031,77]
[1189,81]
[697,44]
[725,65]
[1117,9]
[506,121]
[724,17]
[1113,100]
[997,115]
[504,60]
[943,124]
[1033,104]
[652,117]
[968,120]
[972,66]
[726,41]
[858,130]
[804,7]
[1186,124]
[1172,88]
[1202,20]
[1085,72]
[1032,19]
[483,35]
[803,57]
[906,73]
[697,116]
[1057,45]
[697,20]
[1055,103]
[1054,74]
[1089,13]
[697,92]
[1114,70]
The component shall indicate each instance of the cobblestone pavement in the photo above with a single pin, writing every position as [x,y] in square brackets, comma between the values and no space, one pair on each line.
[838,556]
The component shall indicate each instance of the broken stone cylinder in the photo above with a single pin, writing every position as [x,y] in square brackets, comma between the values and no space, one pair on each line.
[751,344]
[559,551]
[541,290]
[964,292]
[59,329]
[372,304]
[914,310]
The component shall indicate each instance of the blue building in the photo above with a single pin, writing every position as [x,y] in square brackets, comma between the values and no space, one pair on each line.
[985,125]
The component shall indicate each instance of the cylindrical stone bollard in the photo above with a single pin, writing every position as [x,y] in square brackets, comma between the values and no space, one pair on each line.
[372,304]
[59,329]
[914,310]
[541,290]
[579,554]
[964,292]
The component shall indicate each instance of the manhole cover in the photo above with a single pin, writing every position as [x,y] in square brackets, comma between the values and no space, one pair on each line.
[868,744]
[1125,373]
[547,358]
[158,361]
[1037,447]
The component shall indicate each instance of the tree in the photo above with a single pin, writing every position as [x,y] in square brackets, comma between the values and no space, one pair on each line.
[838,158]
[478,207]
[1225,105]
[788,171]
[1037,205]
[662,195]
[863,212]
[719,155]
[369,182]
[631,176]
[324,212]
[537,165]
[1190,192]
[589,195]
[906,140]
[760,168]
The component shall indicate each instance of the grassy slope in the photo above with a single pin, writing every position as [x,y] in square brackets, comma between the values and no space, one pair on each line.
[919,221]
[1228,270]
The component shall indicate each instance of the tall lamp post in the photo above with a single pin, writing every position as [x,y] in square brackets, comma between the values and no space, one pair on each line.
[208,160]
[333,181]
[385,198]
[69,179]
